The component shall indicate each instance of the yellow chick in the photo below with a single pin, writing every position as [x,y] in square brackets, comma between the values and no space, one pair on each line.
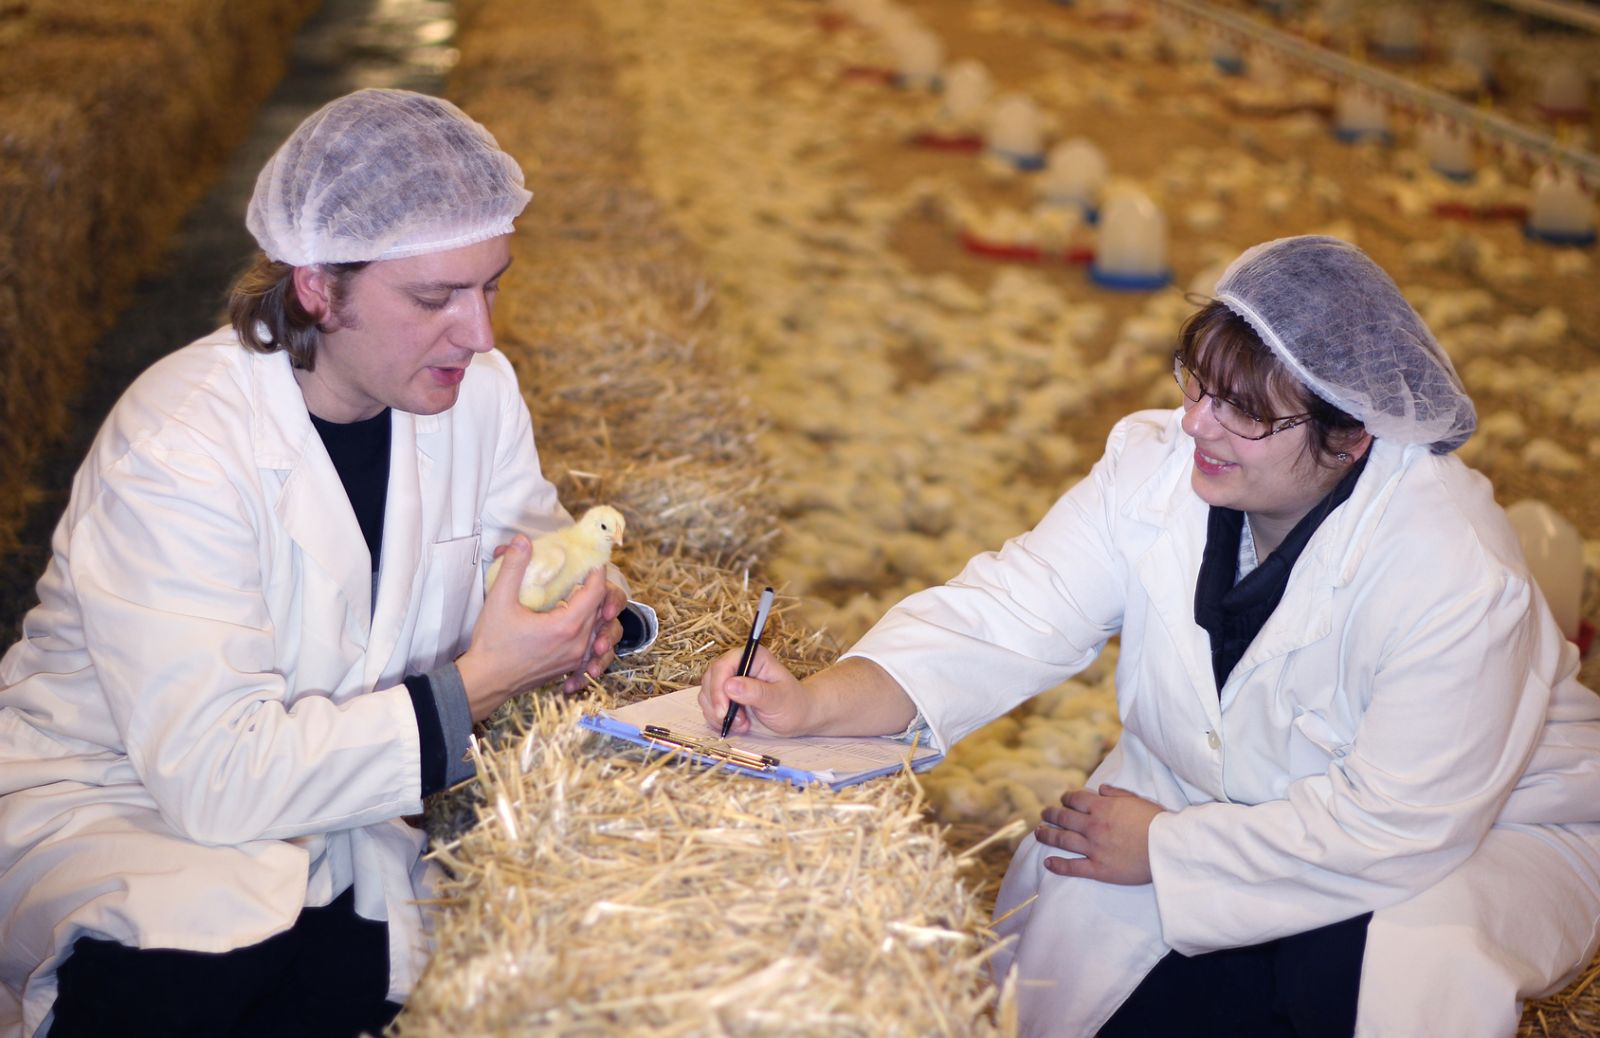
[562,558]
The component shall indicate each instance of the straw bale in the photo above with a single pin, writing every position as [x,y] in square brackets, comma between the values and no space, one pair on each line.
[43,261]
[611,894]
[112,118]
[43,248]
[593,892]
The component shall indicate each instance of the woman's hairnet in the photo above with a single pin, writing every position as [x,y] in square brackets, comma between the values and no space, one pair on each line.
[382,174]
[1338,322]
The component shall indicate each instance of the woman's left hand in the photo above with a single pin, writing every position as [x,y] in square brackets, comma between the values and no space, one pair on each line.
[1111,829]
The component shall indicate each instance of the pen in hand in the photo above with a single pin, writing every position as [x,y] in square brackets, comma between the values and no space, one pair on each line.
[749,656]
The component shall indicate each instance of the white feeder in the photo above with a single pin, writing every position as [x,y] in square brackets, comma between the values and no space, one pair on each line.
[1226,55]
[1554,553]
[1337,13]
[1398,32]
[1171,29]
[1268,72]
[1448,148]
[918,56]
[1471,48]
[1359,114]
[1016,132]
[1130,251]
[1564,90]
[1114,10]
[1563,211]
[967,88]
[870,13]
[1074,175]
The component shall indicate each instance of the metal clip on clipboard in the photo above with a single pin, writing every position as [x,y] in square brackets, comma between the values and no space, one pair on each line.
[723,754]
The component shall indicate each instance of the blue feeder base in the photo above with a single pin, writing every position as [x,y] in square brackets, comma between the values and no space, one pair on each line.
[1090,213]
[1403,53]
[1460,176]
[1557,237]
[1130,282]
[1359,136]
[1026,163]
[1229,66]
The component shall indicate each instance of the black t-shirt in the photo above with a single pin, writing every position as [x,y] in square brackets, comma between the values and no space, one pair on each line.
[360,453]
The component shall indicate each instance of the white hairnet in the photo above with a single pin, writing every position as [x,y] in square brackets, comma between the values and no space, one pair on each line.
[1339,323]
[381,174]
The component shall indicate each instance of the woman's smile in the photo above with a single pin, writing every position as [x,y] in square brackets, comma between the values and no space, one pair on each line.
[1209,465]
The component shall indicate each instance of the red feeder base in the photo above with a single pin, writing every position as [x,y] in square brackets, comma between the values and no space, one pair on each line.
[1463,211]
[1000,250]
[1565,115]
[1078,254]
[941,142]
[867,73]
[1585,638]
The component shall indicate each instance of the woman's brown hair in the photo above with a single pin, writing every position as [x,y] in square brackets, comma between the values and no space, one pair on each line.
[1220,346]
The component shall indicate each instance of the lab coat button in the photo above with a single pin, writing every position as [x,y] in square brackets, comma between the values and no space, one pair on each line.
[1214,740]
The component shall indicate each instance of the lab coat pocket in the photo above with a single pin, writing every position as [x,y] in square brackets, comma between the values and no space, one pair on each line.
[1314,743]
[454,571]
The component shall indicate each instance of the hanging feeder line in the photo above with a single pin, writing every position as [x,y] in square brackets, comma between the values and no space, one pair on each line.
[1535,147]
[1582,16]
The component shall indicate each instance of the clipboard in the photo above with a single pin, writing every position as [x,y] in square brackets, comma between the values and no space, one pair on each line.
[672,723]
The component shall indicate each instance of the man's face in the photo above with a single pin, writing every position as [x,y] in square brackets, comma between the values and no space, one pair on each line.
[405,333]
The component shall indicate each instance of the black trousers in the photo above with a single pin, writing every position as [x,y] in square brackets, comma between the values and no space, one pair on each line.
[325,977]
[1301,986]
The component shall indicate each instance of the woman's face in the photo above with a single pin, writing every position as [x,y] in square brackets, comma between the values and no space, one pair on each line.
[1275,480]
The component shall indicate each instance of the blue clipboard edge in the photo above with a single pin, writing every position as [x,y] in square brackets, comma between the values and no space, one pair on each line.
[629,733]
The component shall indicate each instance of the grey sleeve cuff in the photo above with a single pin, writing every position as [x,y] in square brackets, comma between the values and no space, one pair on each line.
[455,719]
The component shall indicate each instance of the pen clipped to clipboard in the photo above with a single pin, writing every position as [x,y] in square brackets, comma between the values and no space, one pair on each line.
[711,751]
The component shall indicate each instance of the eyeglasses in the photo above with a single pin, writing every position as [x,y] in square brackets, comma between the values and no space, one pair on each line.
[1229,414]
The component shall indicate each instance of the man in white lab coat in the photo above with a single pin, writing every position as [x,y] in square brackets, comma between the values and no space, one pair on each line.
[262,637]
[1358,786]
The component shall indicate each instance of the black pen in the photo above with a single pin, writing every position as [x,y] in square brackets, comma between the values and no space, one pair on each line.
[749,656]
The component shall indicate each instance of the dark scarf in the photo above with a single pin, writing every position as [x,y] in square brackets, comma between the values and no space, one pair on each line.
[1234,613]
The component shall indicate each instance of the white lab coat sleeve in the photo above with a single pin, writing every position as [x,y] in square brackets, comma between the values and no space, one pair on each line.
[1452,720]
[167,566]
[1018,621]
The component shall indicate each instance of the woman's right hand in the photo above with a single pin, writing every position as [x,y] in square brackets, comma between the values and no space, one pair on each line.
[771,694]
[514,648]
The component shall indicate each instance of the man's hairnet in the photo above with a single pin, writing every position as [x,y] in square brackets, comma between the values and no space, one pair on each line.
[1339,323]
[382,174]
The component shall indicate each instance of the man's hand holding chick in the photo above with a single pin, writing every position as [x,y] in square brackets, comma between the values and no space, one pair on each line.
[513,648]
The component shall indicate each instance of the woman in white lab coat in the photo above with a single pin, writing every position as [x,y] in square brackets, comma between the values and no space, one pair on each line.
[1358,785]
[262,636]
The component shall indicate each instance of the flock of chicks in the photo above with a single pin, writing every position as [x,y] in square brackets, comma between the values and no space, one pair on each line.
[919,411]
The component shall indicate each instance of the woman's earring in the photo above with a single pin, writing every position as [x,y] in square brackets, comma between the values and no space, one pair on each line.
[1342,456]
